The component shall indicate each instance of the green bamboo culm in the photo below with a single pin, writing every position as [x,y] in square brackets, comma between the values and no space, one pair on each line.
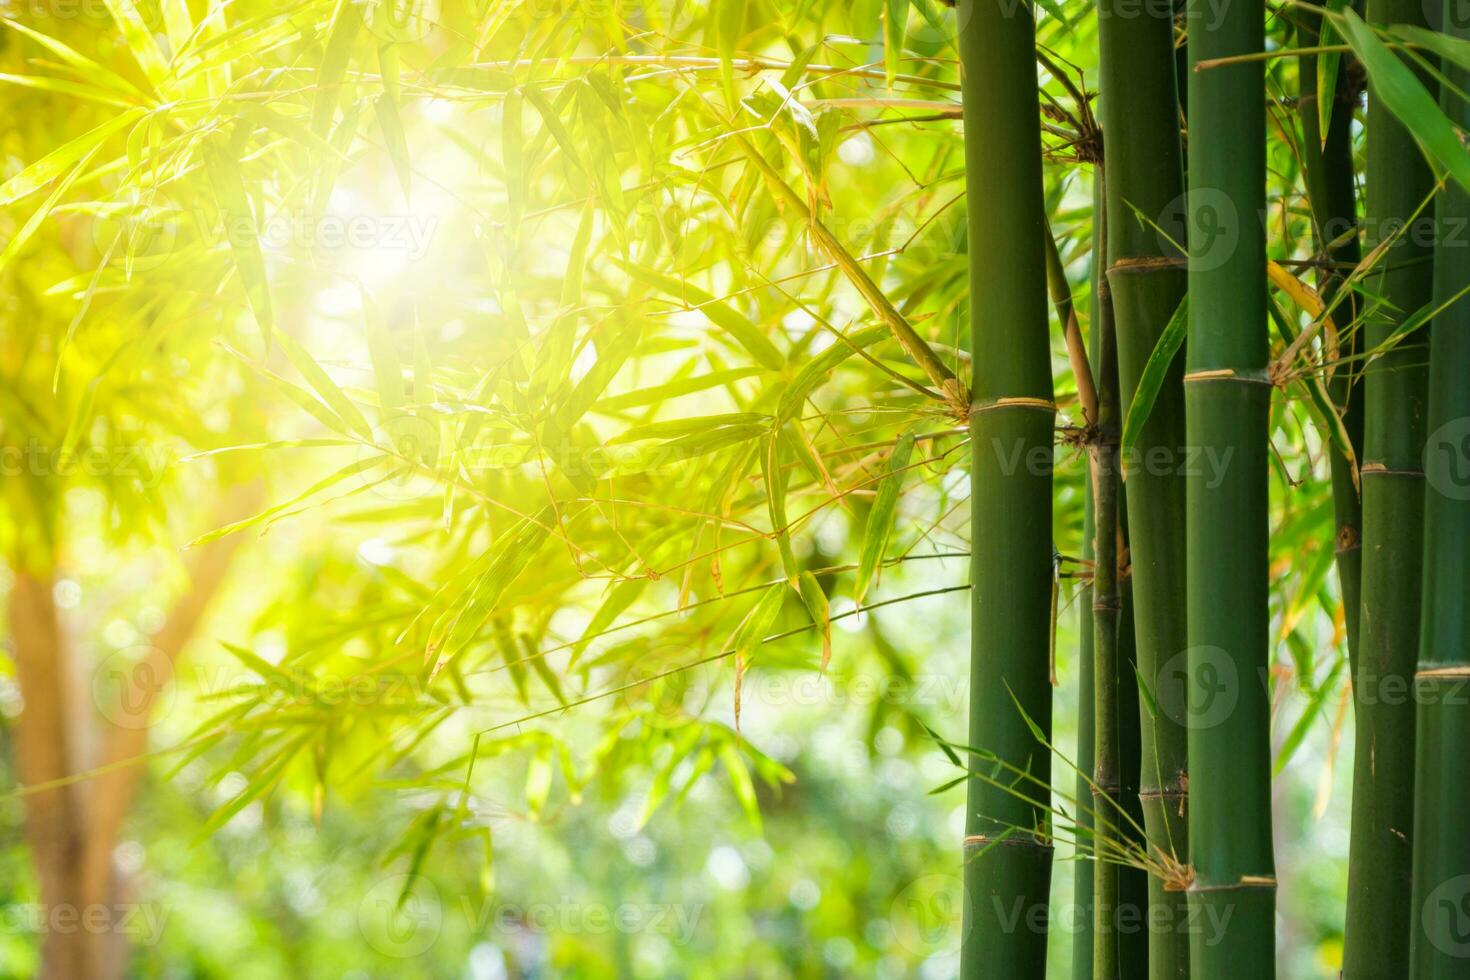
[1106,607]
[1131,916]
[1395,389]
[1008,847]
[1439,947]
[1119,888]
[1140,114]
[1082,872]
[1227,406]
[1082,875]
[1327,169]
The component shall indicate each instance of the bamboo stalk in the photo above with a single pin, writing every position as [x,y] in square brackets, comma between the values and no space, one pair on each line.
[1327,166]
[1380,854]
[1227,406]
[1132,944]
[1105,610]
[1140,114]
[1133,881]
[1442,793]
[1007,841]
[1082,878]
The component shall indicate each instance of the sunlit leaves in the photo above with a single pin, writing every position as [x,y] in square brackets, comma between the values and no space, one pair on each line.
[881,517]
[244,239]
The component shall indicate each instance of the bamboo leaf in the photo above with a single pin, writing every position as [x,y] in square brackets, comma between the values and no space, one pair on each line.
[673,389]
[1395,85]
[24,233]
[80,63]
[817,369]
[267,670]
[775,479]
[390,121]
[751,631]
[244,237]
[881,518]
[62,87]
[552,121]
[386,369]
[895,30]
[1455,50]
[141,43]
[538,781]
[571,287]
[351,469]
[745,332]
[1328,63]
[1155,370]
[729,26]
[346,22]
[820,610]
[512,156]
[324,386]
[61,159]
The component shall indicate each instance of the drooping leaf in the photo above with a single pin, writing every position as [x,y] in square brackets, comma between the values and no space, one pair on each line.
[879,527]
[243,235]
[1155,370]
[1404,95]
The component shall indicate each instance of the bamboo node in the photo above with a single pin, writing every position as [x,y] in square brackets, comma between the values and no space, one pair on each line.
[1014,840]
[1348,538]
[1018,401]
[1377,468]
[1146,263]
[1230,374]
[1444,670]
[1241,883]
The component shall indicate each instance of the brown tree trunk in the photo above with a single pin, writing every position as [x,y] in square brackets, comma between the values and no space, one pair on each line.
[73,829]
[53,828]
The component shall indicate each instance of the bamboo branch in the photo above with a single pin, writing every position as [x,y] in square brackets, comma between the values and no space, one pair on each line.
[957,396]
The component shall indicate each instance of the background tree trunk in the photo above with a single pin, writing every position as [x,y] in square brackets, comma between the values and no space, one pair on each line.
[73,830]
